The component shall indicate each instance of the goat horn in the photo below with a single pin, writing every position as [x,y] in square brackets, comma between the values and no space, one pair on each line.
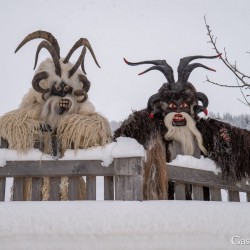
[160,65]
[36,81]
[41,34]
[79,43]
[50,48]
[184,69]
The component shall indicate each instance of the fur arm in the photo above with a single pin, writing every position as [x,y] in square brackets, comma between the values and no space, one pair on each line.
[233,156]
[140,127]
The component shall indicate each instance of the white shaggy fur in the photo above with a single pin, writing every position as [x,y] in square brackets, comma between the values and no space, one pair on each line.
[187,135]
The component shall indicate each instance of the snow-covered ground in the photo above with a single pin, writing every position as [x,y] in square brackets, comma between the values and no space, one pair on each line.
[124,225]
[121,224]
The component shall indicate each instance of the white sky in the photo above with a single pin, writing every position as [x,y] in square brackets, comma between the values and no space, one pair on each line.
[138,30]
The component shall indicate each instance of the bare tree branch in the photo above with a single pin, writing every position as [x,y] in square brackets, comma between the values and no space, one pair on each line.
[241,77]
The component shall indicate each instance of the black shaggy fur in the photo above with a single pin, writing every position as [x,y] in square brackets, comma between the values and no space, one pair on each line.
[233,157]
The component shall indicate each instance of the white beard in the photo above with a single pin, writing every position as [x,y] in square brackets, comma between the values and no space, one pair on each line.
[50,111]
[188,136]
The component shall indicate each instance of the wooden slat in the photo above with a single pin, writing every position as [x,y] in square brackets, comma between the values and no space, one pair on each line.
[233,195]
[18,189]
[55,188]
[197,193]
[179,189]
[248,196]
[73,188]
[36,194]
[128,178]
[58,168]
[2,188]
[108,188]
[205,178]
[91,188]
[215,194]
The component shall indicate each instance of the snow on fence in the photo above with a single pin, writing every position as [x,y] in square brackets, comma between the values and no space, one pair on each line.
[122,180]
[122,172]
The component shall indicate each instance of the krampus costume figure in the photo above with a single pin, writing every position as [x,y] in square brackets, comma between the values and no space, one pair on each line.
[170,125]
[56,110]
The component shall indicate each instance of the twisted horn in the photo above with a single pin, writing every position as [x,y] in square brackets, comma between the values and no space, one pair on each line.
[184,69]
[52,51]
[79,61]
[81,92]
[36,80]
[160,65]
[81,42]
[41,34]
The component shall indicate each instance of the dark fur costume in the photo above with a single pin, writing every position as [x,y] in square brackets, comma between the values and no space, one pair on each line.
[233,157]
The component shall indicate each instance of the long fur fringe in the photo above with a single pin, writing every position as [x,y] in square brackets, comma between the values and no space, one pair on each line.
[20,130]
[155,186]
[83,131]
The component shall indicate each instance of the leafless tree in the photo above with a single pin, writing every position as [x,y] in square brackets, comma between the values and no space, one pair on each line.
[242,79]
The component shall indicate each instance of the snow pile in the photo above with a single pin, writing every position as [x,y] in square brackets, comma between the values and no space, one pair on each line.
[192,162]
[174,225]
[123,147]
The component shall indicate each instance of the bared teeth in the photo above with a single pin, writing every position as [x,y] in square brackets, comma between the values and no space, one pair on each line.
[64,103]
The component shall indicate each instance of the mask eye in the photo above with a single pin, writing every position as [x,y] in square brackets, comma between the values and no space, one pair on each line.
[66,88]
[171,105]
[184,105]
[58,88]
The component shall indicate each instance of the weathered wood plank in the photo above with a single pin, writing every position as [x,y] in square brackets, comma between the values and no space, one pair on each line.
[58,168]
[2,188]
[18,189]
[73,188]
[248,196]
[128,178]
[36,194]
[55,183]
[233,195]
[197,193]
[91,188]
[179,189]
[205,178]
[215,194]
[108,188]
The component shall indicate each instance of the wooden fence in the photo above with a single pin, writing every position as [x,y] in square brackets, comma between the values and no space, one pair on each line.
[123,180]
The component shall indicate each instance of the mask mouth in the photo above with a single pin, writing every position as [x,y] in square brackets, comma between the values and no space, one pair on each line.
[179,120]
[64,106]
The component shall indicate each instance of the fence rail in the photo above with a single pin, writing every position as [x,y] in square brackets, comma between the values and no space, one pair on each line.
[123,180]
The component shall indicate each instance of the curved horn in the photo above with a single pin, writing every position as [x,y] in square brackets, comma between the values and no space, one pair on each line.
[79,43]
[85,82]
[41,34]
[81,92]
[36,81]
[203,98]
[184,70]
[51,49]
[160,65]
[79,61]
[152,100]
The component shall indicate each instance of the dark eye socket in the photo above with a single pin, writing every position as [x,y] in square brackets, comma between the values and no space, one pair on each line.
[58,88]
[171,105]
[66,88]
[184,105]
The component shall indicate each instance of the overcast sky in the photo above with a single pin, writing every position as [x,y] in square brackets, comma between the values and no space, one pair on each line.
[138,30]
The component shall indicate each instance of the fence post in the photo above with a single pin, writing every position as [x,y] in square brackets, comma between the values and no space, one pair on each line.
[128,178]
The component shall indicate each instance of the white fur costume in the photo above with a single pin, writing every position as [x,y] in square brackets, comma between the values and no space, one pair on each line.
[78,126]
